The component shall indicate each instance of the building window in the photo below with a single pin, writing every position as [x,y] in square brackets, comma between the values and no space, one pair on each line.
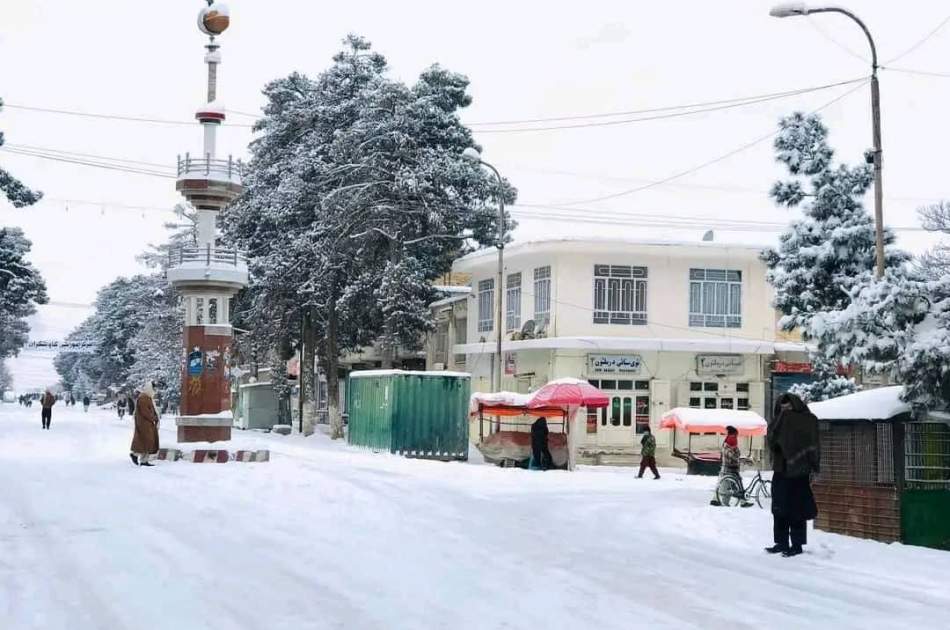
[620,294]
[200,311]
[513,298]
[542,295]
[715,298]
[709,395]
[486,300]
[213,310]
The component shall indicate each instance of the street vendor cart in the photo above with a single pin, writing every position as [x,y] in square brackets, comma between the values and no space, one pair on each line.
[709,421]
[505,419]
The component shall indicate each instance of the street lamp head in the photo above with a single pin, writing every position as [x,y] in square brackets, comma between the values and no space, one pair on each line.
[789,9]
[472,154]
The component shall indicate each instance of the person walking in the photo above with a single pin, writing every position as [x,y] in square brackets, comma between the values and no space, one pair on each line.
[47,402]
[648,453]
[85,403]
[793,443]
[145,438]
[120,407]
[540,453]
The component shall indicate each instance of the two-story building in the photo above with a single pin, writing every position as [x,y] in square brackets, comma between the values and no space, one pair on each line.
[654,324]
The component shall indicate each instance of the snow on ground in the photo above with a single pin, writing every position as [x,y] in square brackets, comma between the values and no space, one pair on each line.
[325,536]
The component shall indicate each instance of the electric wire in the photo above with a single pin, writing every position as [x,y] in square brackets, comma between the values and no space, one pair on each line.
[921,42]
[119,117]
[653,110]
[715,160]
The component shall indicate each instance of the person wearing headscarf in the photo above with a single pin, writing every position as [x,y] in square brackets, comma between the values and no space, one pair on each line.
[145,438]
[540,452]
[793,443]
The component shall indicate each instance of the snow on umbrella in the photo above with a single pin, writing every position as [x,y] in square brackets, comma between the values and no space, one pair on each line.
[691,420]
[568,392]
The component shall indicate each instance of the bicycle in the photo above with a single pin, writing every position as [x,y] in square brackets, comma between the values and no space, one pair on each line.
[729,490]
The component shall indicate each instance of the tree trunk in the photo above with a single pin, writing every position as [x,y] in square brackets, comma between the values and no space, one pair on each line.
[307,356]
[333,379]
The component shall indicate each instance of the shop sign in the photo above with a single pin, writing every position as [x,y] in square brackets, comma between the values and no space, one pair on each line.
[511,364]
[789,367]
[614,363]
[715,364]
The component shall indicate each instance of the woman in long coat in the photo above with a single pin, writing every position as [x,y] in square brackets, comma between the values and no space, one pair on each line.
[793,442]
[145,438]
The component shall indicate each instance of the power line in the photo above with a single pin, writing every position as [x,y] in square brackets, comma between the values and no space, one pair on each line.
[698,186]
[692,112]
[828,36]
[601,217]
[924,73]
[667,108]
[120,117]
[922,41]
[66,153]
[708,163]
[112,167]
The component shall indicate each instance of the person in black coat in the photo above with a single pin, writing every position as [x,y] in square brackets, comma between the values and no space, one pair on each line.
[539,444]
[793,443]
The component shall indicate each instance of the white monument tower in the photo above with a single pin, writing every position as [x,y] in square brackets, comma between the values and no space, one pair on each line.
[207,276]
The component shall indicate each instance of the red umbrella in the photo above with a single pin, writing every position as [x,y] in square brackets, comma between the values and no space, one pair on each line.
[569,392]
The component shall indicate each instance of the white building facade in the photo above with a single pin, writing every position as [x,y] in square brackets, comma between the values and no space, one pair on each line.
[656,325]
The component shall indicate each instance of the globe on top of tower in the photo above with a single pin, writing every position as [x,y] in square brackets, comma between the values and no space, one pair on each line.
[215,19]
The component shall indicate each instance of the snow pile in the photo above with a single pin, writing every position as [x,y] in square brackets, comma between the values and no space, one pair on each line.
[433,373]
[489,399]
[327,536]
[882,403]
[713,421]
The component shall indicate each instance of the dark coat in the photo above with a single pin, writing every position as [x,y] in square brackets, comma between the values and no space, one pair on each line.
[539,434]
[792,498]
[48,400]
[145,438]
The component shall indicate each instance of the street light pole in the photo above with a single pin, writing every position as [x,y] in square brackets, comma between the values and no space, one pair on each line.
[473,155]
[794,9]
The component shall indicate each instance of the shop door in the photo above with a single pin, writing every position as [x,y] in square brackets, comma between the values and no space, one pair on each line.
[621,422]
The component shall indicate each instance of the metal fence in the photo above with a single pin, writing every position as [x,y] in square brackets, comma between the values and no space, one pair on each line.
[857,453]
[207,166]
[927,449]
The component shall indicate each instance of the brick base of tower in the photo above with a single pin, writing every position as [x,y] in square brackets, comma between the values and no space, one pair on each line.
[205,414]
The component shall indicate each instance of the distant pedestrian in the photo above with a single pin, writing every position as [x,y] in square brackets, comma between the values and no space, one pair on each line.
[648,454]
[130,402]
[793,443]
[47,402]
[120,406]
[145,438]
[85,403]
[540,453]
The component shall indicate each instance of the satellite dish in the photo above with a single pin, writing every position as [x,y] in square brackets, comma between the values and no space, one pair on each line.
[527,331]
[708,236]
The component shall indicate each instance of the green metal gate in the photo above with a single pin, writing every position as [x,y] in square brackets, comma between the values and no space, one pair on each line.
[415,414]
[925,501]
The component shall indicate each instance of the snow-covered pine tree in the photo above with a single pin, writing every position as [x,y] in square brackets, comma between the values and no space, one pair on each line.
[21,289]
[826,254]
[14,190]
[357,178]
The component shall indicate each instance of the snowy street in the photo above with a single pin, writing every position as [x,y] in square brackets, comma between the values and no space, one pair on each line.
[324,536]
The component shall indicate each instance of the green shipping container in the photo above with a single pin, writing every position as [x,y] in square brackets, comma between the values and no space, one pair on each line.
[415,414]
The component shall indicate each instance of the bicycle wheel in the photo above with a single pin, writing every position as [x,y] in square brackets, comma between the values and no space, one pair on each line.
[763,494]
[728,491]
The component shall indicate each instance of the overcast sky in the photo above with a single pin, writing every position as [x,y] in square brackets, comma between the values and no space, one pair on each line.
[526,60]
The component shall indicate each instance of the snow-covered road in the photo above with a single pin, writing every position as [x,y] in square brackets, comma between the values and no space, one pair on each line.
[324,536]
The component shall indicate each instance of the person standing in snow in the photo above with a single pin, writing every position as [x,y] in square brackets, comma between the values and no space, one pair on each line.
[145,438]
[120,407]
[793,443]
[85,403]
[648,454]
[47,402]
[130,402]
[540,452]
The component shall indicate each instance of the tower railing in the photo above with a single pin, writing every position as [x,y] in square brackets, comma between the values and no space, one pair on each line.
[206,255]
[208,167]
